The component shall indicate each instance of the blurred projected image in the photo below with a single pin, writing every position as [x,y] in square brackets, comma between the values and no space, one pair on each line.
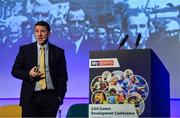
[80,26]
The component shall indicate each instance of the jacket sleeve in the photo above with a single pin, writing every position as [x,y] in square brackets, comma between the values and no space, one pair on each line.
[18,69]
[62,88]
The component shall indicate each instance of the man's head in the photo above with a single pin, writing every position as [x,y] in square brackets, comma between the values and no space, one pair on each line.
[41,11]
[27,30]
[76,21]
[116,33]
[57,27]
[42,32]
[91,33]
[102,34]
[136,21]
[14,31]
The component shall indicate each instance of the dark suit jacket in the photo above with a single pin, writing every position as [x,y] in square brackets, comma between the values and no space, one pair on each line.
[27,59]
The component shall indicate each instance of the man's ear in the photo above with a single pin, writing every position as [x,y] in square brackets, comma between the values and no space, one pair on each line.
[49,33]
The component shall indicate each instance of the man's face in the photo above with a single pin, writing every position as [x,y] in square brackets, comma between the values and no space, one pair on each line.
[101,34]
[14,34]
[91,33]
[76,23]
[27,31]
[57,27]
[138,24]
[116,33]
[41,34]
[40,13]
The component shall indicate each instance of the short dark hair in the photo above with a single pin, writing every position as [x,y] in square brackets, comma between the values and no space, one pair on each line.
[43,23]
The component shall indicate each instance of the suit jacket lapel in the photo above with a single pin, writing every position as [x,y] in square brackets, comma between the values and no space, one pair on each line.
[51,54]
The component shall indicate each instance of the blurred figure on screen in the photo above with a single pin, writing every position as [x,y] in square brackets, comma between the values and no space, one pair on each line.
[92,42]
[91,33]
[13,39]
[136,21]
[172,29]
[18,7]
[60,35]
[3,34]
[76,22]
[78,52]
[57,28]
[3,8]
[42,68]
[116,35]
[41,10]
[103,38]
[27,31]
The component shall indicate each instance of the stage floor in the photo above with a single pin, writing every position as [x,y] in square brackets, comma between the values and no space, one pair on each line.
[175,105]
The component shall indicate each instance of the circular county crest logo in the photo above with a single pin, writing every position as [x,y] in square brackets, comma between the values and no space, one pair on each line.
[120,87]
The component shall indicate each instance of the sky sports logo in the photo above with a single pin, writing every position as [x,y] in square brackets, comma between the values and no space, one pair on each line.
[104,63]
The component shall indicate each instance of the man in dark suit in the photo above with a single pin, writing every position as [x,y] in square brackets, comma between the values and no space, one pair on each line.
[37,99]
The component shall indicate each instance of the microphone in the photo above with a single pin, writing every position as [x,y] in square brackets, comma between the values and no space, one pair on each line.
[123,41]
[137,40]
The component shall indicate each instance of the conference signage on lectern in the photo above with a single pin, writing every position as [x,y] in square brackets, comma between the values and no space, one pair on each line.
[114,86]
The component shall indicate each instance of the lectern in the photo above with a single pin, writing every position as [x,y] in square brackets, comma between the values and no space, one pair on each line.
[135,77]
